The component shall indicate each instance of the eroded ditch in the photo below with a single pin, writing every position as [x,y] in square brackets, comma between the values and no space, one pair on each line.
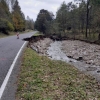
[56,50]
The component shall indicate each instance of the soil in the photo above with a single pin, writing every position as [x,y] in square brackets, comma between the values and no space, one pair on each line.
[41,45]
[90,53]
[84,56]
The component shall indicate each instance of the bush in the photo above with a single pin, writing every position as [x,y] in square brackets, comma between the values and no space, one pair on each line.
[5,26]
[10,26]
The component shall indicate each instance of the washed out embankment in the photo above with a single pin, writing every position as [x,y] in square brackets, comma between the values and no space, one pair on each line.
[84,56]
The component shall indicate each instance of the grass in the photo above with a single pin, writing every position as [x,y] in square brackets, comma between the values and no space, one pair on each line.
[90,37]
[3,35]
[38,33]
[43,79]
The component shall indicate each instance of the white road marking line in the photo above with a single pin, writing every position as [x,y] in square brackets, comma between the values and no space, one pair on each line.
[10,71]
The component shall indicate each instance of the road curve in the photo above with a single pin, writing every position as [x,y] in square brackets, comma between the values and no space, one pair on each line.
[9,48]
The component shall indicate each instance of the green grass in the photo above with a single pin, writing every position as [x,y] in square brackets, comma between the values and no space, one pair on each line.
[90,37]
[3,35]
[43,79]
[38,33]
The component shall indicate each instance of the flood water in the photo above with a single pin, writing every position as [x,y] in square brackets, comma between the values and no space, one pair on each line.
[54,52]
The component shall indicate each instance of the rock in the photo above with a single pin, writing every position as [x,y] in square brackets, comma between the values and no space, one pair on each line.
[80,58]
[98,71]
[41,45]
[89,53]
[70,61]
[69,56]
[91,69]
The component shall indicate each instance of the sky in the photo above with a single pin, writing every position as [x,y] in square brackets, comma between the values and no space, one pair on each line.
[31,8]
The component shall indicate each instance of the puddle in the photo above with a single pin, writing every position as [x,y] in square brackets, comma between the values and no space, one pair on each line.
[54,52]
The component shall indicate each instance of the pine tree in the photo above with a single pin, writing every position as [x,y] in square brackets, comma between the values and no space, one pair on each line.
[5,18]
[41,20]
[18,17]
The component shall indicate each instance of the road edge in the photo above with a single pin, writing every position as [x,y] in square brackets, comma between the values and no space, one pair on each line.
[3,86]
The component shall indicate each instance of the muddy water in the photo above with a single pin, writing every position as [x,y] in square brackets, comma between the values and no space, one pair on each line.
[54,52]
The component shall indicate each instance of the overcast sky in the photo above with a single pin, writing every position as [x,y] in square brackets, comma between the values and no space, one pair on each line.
[32,7]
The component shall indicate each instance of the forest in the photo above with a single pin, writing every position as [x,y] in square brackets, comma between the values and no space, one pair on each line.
[79,19]
[76,19]
[12,18]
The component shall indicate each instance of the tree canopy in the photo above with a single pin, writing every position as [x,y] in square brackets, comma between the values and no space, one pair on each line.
[43,17]
[11,17]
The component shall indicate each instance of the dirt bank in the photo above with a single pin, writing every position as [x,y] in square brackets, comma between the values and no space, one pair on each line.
[41,45]
[90,53]
[87,55]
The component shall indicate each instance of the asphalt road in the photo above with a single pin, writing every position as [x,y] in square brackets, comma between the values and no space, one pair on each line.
[9,48]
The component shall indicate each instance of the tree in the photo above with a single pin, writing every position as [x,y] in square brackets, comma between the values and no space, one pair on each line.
[18,17]
[5,26]
[4,11]
[67,18]
[96,2]
[41,20]
[29,23]
[89,16]
[61,17]
[81,10]
[5,18]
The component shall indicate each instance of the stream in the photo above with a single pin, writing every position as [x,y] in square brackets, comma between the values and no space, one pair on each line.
[54,52]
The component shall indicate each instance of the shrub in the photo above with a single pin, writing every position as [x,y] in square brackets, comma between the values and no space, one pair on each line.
[5,25]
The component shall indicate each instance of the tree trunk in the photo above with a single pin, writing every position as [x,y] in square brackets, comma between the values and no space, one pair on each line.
[99,36]
[87,16]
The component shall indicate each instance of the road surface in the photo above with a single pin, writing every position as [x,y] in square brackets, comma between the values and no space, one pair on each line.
[9,48]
